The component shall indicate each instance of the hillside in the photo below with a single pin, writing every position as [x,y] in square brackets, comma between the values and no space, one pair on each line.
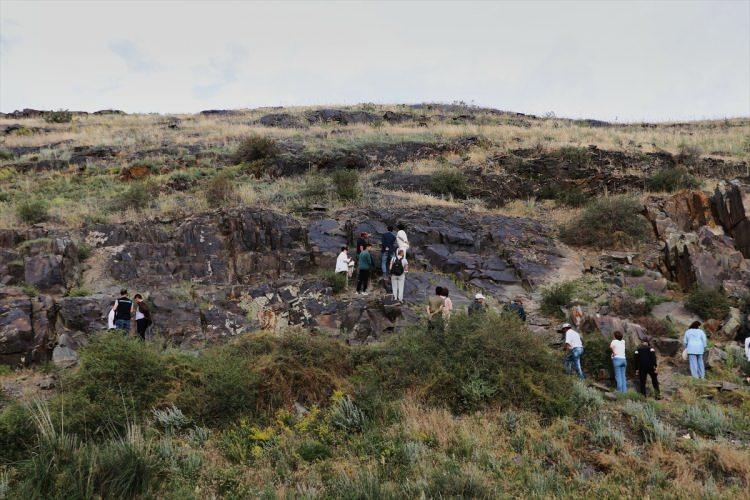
[263,375]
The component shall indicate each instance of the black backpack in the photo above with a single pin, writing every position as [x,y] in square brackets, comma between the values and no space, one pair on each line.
[397,268]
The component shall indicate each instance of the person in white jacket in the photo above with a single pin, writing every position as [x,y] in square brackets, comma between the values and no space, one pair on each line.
[402,241]
[343,264]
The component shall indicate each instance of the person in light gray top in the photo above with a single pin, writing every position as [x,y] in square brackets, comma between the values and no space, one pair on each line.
[695,342]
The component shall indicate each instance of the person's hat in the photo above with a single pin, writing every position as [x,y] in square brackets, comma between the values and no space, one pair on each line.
[479,296]
[563,327]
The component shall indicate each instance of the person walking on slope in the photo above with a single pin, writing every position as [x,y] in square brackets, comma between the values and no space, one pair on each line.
[401,240]
[435,306]
[695,342]
[447,303]
[574,348]
[619,362]
[645,365]
[142,316]
[366,265]
[123,308]
[398,268]
[387,251]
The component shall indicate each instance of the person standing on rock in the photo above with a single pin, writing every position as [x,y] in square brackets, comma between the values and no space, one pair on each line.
[342,264]
[366,265]
[574,348]
[645,365]
[435,309]
[123,307]
[478,305]
[695,342]
[387,250]
[619,361]
[402,241]
[516,306]
[142,316]
[398,268]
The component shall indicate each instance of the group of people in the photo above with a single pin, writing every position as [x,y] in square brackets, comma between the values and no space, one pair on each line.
[393,262]
[124,309]
[694,342]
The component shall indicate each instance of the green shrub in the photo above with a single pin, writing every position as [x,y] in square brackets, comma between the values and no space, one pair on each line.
[450,181]
[608,222]
[472,365]
[644,420]
[33,211]
[337,281]
[136,197]
[688,154]
[571,196]
[606,435]
[79,291]
[220,190]
[118,379]
[672,179]
[346,183]
[255,147]
[59,116]
[577,156]
[30,290]
[16,433]
[708,419]
[556,297]
[312,450]
[708,303]
[84,251]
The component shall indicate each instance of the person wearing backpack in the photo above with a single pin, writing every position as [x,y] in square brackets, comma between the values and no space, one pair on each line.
[142,316]
[398,268]
[123,307]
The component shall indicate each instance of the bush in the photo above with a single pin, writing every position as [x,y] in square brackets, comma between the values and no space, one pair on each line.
[577,156]
[571,196]
[84,251]
[450,181]
[475,363]
[254,148]
[118,379]
[346,183]
[220,190]
[79,291]
[672,179]
[16,433]
[136,196]
[708,419]
[688,154]
[645,421]
[556,297]
[312,450]
[607,223]
[708,303]
[33,211]
[337,281]
[60,116]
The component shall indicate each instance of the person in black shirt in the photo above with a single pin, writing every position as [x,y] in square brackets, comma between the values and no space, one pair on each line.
[517,307]
[387,250]
[123,308]
[142,316]
[645,364]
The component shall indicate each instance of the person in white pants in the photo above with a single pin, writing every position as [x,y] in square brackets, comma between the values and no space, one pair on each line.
[398,268]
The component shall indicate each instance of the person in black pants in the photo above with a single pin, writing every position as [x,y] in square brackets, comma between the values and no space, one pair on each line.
[123,308]
[645,364]
[366,266]
[142,316]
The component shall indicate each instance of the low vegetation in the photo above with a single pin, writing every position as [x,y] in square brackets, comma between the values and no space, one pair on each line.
[609,222]
[254,148]
[33,211]
[672,179]
[708,303]
[450,181]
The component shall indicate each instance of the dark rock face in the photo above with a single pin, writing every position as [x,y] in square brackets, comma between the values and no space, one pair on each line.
[696,250]
[340,116]
[729,202]
[281,120]
[24,326]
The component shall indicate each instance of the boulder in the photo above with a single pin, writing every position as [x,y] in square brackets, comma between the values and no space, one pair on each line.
[16,327]
[281,120]
[715,356]
[84,314]
[64,355]
[674,312]
[666,346]
[731,325]
[633,333]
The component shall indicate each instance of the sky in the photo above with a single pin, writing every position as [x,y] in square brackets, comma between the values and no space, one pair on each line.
[624,61]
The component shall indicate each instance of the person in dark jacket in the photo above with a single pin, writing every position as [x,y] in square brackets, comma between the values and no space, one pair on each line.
[517,307]
[387,250]
[366,265]
[142,316]
[478,306]
[645,364]
[123,308]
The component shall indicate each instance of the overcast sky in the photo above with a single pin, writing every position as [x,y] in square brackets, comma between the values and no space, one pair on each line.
[628,61]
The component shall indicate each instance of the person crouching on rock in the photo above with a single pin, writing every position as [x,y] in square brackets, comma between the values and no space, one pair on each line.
[366,265]
[574,348]
[645,365]
[398,268]
[123,307]
[142,316]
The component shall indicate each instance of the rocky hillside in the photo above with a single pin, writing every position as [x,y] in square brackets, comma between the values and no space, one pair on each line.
[229,223]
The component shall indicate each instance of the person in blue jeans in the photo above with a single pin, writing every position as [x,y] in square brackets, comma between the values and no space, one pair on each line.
[123,308]
[695,344]
[387,250]
[619,362]
[574,348]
